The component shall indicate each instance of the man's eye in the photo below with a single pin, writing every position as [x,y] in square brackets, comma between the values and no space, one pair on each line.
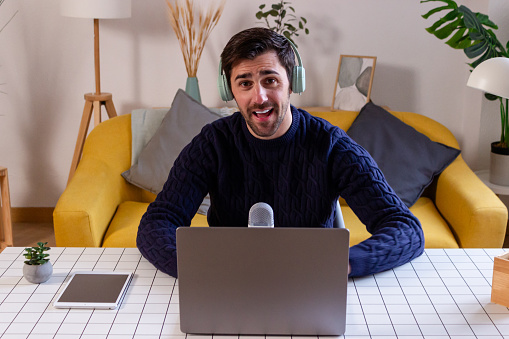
[270,81]
[244,84]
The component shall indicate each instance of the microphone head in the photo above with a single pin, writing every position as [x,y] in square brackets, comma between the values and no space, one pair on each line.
[261,215]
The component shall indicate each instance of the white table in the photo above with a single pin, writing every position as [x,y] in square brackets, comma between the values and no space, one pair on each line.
[445,293]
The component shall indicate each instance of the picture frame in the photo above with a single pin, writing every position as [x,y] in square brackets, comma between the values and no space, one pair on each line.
[352,89]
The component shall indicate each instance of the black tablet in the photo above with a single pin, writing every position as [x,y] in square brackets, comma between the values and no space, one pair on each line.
[94,289]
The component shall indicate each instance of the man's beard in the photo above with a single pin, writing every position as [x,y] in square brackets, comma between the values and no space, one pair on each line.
[266,131]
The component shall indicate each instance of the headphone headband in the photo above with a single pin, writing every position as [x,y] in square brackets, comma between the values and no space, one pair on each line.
[296,52]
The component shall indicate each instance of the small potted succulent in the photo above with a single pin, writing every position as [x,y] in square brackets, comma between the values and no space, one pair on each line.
[37,268]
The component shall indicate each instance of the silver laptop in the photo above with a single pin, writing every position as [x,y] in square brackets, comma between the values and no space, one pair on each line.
[262,281]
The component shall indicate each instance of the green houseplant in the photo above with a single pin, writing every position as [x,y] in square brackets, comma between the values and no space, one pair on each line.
[37,268]
[285,21]
[473,33]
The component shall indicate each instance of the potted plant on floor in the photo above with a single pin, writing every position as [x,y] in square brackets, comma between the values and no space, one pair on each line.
[473,33]
[37,268]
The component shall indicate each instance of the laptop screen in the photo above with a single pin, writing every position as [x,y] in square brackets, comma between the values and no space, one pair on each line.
[262,280]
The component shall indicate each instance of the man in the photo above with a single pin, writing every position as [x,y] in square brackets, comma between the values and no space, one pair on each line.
[274,153]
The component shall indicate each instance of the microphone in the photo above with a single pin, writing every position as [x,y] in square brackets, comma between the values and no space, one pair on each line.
[338,221]
[261,215]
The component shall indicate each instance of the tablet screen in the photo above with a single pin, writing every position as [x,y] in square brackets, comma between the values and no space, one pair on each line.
[94,290]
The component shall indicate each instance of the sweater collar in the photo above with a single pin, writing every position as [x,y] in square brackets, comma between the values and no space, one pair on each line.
[282,140]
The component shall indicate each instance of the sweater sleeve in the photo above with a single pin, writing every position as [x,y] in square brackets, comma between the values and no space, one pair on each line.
[396,234]
[174,206]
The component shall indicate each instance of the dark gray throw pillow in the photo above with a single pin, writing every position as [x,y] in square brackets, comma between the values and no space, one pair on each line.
[182,123]
[408,159]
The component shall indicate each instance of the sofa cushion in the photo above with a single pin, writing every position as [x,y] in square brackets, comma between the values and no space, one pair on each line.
[408,159]
[184,120]
[144,124]
[124,226]
[436,231]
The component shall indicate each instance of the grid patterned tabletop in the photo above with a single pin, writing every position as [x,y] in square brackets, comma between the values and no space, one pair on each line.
[445,293]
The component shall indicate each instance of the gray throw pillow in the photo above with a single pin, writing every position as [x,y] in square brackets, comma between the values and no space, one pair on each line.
[184,120]
[408,159]
[144,124]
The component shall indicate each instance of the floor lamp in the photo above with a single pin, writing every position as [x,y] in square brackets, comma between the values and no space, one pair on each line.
[94,9]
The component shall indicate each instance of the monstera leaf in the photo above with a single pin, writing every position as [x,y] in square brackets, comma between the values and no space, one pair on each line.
[468,31]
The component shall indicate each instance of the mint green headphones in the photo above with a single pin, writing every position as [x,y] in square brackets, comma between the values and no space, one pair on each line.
[298,78]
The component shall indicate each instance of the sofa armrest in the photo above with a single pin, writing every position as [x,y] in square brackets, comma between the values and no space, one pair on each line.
[89,202]
[85,209]
[477,217]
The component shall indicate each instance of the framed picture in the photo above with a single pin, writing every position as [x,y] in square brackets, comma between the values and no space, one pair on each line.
[353,82]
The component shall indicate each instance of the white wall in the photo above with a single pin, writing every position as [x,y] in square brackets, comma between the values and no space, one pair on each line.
[46,65]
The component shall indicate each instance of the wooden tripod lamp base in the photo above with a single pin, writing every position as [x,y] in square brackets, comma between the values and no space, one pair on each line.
[93,104]
[5,211]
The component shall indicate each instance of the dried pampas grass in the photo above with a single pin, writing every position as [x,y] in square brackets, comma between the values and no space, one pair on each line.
[191,33]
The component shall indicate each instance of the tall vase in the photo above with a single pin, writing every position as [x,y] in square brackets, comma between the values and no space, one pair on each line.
[193,89]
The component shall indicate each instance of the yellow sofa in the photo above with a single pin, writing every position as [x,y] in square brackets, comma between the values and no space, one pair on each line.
[99,208]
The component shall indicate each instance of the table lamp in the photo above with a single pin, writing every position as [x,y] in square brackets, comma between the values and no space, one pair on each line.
[94,9]
[492,76]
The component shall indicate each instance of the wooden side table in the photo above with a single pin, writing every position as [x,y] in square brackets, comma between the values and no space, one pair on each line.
[5,209]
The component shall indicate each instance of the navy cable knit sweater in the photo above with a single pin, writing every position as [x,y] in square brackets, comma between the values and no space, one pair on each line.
[300,174]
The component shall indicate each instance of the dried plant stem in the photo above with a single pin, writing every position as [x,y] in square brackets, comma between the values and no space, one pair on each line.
[191,33]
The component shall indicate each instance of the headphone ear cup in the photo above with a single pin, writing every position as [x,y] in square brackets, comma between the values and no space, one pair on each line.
[224,90]
[298,79]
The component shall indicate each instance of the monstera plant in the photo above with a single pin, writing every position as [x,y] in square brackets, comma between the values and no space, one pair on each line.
[473,33]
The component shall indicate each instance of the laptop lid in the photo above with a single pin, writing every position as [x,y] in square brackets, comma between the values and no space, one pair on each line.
[279,281]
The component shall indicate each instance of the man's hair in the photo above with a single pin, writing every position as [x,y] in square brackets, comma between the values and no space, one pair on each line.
[252,42]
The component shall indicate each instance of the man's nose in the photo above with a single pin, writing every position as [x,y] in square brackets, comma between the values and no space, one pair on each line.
[260,94]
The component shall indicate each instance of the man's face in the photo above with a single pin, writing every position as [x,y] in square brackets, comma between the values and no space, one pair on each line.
[262,91]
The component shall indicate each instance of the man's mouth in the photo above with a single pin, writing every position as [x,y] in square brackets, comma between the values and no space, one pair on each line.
[263,114]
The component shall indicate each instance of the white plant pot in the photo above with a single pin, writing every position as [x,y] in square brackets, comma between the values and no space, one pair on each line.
[37,274]
[499,169]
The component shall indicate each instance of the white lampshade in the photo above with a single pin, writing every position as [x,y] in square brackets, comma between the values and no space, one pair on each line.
[491,76]
[96,9]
